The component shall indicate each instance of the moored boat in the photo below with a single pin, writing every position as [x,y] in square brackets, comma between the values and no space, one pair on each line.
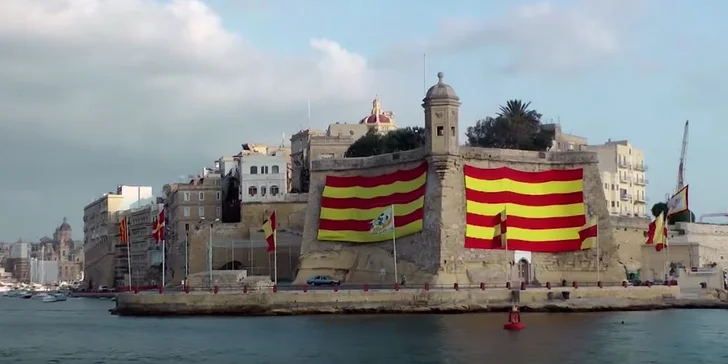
[54,297]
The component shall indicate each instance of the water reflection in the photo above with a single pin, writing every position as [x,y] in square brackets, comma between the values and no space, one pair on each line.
[81,331]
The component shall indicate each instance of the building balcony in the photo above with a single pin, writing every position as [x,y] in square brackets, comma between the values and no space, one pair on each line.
[639,199]
[624,164]
[640,181]
[625,197]
[623,178]
[640,167]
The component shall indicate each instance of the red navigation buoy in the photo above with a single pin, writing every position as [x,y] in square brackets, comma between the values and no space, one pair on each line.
[514,320]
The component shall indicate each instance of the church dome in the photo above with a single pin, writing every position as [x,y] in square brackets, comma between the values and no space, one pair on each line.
[65,226]
[377,116]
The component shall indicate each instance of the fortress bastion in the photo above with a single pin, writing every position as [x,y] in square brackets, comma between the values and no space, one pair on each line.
[437,254]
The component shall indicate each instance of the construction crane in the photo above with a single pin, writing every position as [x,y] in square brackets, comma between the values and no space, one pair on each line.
[683,158]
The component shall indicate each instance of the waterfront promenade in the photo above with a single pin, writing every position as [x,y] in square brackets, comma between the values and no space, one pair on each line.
[333,300]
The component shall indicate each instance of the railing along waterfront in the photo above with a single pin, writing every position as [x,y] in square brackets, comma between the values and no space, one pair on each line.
[243,288]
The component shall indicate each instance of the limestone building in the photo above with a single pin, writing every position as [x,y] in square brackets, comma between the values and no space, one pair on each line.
[19,261]
[144,254]
[437,254]
[101,233]
[263,176]
[185,205]
[564,142]
[309,145]
[624,177]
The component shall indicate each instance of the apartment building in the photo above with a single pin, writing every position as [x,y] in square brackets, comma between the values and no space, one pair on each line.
[263,177]
[144,252]
[564,142]
[101,232]
[188,204]
[624,177]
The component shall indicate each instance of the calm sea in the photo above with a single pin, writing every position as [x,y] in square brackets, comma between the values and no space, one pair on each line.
[81,331]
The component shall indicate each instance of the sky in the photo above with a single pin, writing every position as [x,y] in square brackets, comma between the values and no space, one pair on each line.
[97,93]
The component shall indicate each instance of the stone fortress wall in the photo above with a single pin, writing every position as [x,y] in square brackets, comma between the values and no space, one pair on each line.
[437,254]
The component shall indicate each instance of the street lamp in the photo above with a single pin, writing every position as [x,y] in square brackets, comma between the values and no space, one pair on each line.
[209,249]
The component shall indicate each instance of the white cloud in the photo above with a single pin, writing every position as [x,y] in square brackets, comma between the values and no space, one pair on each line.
[81,70]
[542,36]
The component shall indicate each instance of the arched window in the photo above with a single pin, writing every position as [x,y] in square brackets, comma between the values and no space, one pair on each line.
[252,190]
[262,190]
[274,190]
[276,170]
[253,169]
[263,169]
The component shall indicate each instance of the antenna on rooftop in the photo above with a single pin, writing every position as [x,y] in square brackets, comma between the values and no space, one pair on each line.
[309,112]
[424,73]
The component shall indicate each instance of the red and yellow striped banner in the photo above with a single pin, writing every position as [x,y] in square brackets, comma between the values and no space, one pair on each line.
[545,209]
[350,204]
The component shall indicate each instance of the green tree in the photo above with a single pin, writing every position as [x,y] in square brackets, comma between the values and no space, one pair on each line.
[515,126]
[398,140]
[661,207]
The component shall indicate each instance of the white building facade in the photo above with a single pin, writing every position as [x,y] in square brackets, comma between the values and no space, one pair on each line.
[263,177]
[624,178]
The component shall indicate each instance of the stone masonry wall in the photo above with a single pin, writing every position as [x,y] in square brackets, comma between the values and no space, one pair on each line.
[437,255]
[630,235]
[356,262]
[470,265]
[712,238]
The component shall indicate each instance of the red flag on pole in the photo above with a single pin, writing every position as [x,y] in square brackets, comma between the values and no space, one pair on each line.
[269,228]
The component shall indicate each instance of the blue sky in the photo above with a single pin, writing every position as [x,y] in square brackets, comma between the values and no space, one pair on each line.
[100,93]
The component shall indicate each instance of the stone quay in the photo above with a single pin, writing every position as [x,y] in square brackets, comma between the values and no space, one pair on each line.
[266,302]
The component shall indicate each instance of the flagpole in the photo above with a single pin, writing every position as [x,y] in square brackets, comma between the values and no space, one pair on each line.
[508,263]
[164,264]
[275,252]
[665,256]
[209,257]
[394,246]
[187,256]
[128,252]
[599,260]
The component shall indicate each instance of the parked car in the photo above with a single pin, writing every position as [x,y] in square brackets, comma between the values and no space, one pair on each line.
[323,281]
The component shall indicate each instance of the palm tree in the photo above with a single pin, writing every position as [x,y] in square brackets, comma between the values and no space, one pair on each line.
[516,111]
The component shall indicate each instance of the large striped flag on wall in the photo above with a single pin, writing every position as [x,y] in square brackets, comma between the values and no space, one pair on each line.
[545,209]
[349,205]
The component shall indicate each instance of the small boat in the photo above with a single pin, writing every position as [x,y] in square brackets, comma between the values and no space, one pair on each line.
[40,296]
[55,297]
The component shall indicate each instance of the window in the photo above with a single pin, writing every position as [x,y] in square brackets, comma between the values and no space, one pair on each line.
[274,190]
[452,130]
[218,195]
[612,203]
[186,211]
[253,169]
[262,190]
[187,227]
[440,130]
[201,196]
[276,170]
[187,196]
[218,211]
[252,190]
[606,186]
[263,169]
[201,211]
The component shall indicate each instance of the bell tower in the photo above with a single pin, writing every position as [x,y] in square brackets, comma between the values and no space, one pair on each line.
[442,107]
